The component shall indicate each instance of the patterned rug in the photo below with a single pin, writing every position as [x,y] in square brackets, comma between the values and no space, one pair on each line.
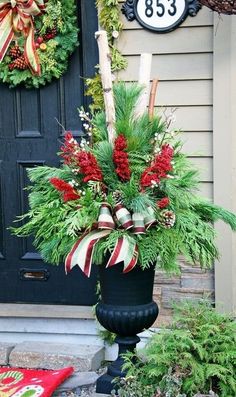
[17,382]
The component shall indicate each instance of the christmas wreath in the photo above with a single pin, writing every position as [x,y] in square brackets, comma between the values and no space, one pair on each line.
[221,6]
[133,197]
[36,40]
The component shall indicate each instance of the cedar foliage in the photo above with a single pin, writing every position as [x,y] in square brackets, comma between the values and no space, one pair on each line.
[57,225]
[198,350]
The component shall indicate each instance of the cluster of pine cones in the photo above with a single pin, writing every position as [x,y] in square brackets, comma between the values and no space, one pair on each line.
[50,34]
[18,59]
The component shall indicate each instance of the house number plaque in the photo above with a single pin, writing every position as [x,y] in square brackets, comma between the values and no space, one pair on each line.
[160,15]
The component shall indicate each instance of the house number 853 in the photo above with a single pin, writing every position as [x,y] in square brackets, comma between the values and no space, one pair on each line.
[160,8]
[160,16]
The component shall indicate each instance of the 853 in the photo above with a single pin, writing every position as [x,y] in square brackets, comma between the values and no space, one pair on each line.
[160,8]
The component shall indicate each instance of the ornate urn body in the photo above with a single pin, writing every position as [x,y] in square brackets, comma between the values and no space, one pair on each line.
[126,308]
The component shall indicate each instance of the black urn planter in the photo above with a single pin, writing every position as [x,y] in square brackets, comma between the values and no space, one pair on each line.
[126,308]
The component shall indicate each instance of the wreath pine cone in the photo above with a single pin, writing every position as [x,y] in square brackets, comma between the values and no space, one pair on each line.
[15,52]
[19,63]
[221,6]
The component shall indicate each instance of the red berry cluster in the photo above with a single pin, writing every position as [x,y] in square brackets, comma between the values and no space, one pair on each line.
[85,161]
[89,167]
[50,34]
[163,203]
[120,158]
[68,192]
[69,149]
[159,168]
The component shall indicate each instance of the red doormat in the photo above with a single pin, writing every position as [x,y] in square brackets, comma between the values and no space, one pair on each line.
[17,382]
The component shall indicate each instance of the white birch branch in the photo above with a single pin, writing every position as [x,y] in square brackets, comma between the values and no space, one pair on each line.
[106,77]
[144,80]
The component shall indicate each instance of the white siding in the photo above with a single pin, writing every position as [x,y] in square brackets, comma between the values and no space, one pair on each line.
[183,63]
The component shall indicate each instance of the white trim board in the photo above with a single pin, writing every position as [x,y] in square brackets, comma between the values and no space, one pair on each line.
[45,311]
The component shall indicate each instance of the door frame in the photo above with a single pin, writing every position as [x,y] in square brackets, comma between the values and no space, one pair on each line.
[87,15]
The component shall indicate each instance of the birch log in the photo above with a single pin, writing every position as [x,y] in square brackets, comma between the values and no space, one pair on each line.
[144,80]
[106,77]
[152,98]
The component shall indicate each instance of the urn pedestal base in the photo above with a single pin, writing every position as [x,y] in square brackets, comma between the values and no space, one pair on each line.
[126,309]
[105,383]
[125,321]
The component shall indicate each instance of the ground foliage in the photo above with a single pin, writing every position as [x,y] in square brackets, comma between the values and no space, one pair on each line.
[59,15]
[57,224]
[197,353]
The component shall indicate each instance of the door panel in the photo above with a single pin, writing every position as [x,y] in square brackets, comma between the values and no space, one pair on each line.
[30,135]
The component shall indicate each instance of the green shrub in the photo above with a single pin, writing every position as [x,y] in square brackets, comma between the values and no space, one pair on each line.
[196,354]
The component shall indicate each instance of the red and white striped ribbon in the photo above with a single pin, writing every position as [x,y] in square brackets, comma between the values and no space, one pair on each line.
[139,225]
[149,217]
[123,216]
[82,252]
[105,220]
[126,250]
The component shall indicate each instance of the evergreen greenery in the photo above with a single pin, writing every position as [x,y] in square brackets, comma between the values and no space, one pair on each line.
[54,59]
[197,353]
[57,225]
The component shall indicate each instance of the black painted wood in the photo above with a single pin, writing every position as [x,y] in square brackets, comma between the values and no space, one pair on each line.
[29,136]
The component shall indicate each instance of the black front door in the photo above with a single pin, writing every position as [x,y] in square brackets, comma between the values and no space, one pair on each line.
[29,136]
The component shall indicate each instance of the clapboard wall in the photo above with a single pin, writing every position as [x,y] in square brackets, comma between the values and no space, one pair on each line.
[183,63]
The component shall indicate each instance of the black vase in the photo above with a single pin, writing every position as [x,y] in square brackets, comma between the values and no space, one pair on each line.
[126,308]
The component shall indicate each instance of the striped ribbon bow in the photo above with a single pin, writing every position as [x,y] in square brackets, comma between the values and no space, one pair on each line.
[126,249]
[17,16]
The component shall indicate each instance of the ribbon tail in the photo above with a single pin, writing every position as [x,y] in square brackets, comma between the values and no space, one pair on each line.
[82,251]
[131,257]
[125,251]
[31,55]
[6,34]
[149,217]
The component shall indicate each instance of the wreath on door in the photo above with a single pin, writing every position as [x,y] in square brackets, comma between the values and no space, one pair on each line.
[36,39]
[221,6]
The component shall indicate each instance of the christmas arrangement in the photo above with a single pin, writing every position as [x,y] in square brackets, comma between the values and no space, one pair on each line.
[132,197]
[36,39]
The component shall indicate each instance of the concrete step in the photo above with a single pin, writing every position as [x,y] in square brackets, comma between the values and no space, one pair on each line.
[5,350]
[78,380]
[100,395]
[47,355]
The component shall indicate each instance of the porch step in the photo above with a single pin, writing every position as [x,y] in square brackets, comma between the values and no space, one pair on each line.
[46,355]
[5,350]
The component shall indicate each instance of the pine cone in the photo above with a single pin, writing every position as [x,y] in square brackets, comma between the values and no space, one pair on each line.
[168,218]
[50,34]
[117,196]
[15,52]
[20,63]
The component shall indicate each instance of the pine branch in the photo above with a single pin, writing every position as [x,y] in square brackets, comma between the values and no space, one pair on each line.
[212,213]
